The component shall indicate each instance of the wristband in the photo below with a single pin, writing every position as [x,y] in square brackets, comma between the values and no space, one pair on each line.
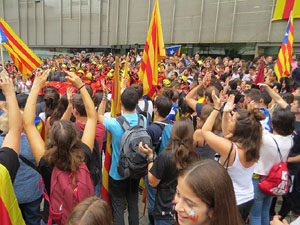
[216,109]
[81,87]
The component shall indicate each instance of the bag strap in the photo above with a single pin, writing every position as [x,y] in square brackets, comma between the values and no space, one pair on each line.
[146,106]
[226,162]
[123,122]
[141,121]
[281,159]
[29,163]
[138,109]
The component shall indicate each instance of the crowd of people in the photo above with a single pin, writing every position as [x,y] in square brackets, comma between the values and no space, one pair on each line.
[215,136]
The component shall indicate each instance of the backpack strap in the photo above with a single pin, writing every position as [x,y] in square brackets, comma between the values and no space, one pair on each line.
[138,109]
[281,159]
[146,106]
[141,120]
[123,122]
[226,162]
[29,163]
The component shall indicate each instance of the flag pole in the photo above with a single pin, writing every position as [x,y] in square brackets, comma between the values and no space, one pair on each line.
[2,60]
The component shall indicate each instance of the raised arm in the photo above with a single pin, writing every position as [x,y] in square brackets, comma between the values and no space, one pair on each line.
[275,96]
[89,132]
[102,106]
[219,144]
[190,96]
[36,142]
[67,114]
[229,106]
[12,139]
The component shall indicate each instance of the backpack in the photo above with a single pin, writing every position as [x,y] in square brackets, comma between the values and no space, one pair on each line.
[96,162]
[277,183]
[165,137]
[162,127]
[132,162]
[144,112]
[64,195]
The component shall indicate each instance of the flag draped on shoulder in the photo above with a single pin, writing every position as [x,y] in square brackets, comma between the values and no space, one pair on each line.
[283,9]
[154,52]
[24,58]
[173,50]
[283,64]
[10,213]
[114,112]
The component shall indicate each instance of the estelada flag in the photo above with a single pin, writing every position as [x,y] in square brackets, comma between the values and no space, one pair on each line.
[283,9]
[24,58]
[115,111]
[153,53]
[282,67]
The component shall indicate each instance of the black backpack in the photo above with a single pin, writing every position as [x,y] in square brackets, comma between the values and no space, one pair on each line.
[96,162]
[132,162]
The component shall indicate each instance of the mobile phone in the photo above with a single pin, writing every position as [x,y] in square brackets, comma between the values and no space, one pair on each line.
[57,76]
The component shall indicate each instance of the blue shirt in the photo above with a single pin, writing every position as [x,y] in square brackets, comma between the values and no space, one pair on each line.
[113,126]
[27,179]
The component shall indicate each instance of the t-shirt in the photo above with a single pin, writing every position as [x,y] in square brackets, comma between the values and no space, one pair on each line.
[199,107]
[164,169]
[100,133]
[9,159]
[113,126]
[295,150]
[269,155]
[155,131]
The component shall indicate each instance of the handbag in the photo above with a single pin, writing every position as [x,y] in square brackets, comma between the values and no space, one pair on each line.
[277,182]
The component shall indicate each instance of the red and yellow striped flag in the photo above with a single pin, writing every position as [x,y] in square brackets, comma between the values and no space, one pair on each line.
[115,111]
[153,53]
[125,74]
[283,9]
[283,64]
[24,58]
[10,213]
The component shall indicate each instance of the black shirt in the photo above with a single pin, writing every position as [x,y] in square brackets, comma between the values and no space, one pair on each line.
[295,150]
[164,169]
[9,158]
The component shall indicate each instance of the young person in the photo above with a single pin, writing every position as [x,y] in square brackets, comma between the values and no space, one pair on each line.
[239,149]
[121,189]
[163,171]
[65,151]
[91,211]
[205,196]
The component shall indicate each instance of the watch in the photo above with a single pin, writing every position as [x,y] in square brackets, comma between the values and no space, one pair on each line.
[151,159]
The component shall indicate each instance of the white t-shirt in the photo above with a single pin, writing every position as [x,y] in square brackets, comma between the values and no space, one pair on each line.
[269,155]
[141,104]
[24,88]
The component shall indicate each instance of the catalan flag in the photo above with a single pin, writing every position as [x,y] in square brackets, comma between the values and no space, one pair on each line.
[283,64]
[125,74]
[153,53]
[10,213]
[115,111]
[283,9]
[24,58]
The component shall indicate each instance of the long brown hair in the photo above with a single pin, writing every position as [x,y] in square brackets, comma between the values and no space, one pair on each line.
[210,182]
[91,211]
[248,132]
[206,110]
[64,147]
[181,143]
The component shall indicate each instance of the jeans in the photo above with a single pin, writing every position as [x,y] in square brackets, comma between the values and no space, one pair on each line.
[122,191]
[259,213]
[151,193]
[97,189]
[163,222]
[31,212]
